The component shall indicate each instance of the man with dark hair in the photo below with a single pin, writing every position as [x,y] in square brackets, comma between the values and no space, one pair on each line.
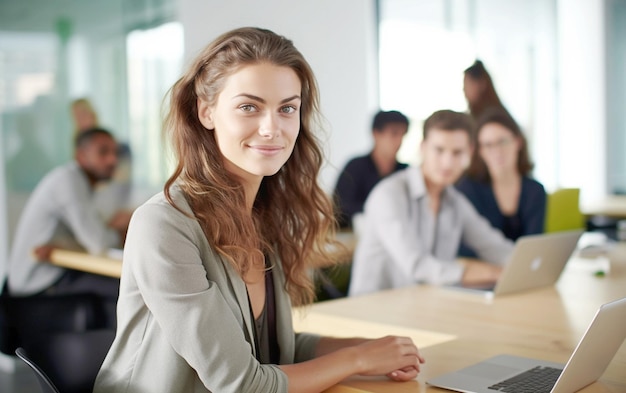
[415,219]
[60,213]
[361,174]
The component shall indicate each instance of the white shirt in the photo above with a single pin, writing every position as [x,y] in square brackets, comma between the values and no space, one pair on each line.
[60,211]
[403,243]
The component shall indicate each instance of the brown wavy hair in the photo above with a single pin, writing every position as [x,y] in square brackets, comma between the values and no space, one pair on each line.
[488,97]
[478,169]
[291,216]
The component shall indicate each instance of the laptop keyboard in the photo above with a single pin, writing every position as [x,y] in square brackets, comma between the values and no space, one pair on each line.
[536,380]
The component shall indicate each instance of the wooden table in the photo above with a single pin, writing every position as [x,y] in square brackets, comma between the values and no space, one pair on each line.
[455,329]
[458,329]
[106,265]
[610,206]
[111,264]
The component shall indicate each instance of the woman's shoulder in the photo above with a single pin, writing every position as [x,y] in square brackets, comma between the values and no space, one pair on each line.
[157,221]
[159,209]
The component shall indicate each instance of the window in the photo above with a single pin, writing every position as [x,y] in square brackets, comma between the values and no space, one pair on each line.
[154,59]
[426,45]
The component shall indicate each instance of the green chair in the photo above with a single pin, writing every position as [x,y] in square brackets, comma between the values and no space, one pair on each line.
[332,282]
[563,211]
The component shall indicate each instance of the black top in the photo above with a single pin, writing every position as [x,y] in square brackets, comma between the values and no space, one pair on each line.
[355,182]
[529,218]
[265,339]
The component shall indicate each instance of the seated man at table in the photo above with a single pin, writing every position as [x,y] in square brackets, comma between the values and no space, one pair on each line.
[60,213]
[415,219]
[361,174]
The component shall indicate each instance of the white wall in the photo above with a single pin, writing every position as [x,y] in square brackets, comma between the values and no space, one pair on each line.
[336,37]
[582,97]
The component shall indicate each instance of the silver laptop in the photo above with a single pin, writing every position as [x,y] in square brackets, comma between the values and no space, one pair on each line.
[506,373]
[536,261]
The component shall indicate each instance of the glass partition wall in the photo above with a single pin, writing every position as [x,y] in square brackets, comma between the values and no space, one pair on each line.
[122,56]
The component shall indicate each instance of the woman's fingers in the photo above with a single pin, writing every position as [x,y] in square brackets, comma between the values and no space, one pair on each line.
[405,374]
[389,355]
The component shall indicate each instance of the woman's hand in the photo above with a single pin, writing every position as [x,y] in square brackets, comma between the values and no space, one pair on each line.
[403,375]
[338,358]
[396,357]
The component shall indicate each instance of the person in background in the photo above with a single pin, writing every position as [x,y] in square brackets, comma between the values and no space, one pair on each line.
[479,90]
[60,213]
[113,197]
[84,115]
[498,181]
[213,263]
[415,219]
[361,174]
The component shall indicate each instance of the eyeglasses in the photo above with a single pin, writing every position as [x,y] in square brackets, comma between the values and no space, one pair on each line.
[498,144]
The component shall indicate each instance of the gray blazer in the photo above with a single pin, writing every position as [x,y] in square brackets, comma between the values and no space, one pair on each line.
[184,321]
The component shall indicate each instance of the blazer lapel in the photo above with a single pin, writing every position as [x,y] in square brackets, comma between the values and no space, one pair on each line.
[241,294]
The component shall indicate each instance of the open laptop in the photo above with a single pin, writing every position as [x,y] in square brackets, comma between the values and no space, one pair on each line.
[505,373]
[536,261]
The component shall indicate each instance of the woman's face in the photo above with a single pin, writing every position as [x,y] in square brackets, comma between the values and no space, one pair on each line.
[256,119]
[499,148]
[445,155]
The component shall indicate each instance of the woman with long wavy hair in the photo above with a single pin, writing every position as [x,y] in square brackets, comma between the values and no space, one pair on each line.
[499,180]
[213,264]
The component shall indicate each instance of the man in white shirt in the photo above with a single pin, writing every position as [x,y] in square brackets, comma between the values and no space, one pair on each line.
[415,220]
[60,213]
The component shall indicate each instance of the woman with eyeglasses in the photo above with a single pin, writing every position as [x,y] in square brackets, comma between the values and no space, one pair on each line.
[498,181]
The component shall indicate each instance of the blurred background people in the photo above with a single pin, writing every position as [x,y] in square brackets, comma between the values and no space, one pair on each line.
[415,219]
[361,174]
[60,213]
[114,196]
[479,90]
[498,181]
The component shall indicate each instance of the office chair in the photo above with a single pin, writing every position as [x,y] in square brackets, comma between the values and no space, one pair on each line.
[563,211]
[72,360]
[46,384]
[332,282]
[25,318]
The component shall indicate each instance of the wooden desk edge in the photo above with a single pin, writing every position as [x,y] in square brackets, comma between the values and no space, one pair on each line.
[87,263]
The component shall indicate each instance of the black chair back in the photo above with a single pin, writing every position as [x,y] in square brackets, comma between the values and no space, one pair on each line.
[46,384]
[23,319]
[72,360]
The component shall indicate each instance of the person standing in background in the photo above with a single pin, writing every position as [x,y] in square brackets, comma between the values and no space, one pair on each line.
[498,181]
[84,115]
[479,90]
[361,174]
